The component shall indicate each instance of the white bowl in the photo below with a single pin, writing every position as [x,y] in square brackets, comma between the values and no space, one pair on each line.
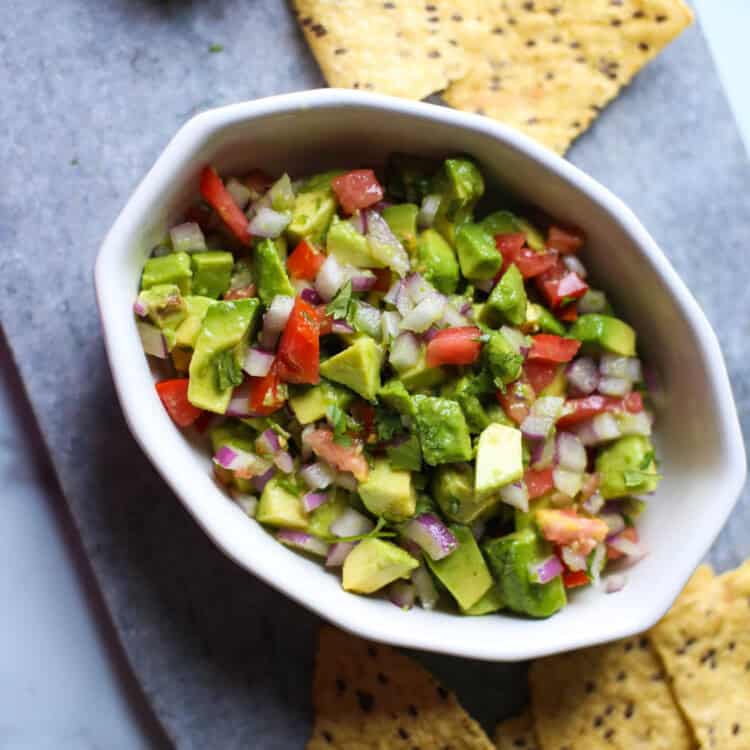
[698,435]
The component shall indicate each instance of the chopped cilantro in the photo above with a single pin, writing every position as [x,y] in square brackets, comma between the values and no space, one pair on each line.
[342,424]
[339,307]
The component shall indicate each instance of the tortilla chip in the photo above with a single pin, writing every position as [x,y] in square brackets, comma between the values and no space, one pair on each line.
[517,733]
[367,696]
[395,47]
[704,644]
[548,68]
[613,696]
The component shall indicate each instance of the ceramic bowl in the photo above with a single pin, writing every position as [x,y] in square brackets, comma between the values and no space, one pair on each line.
[697,435]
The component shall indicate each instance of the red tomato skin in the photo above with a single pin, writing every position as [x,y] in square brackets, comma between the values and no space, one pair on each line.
[540,374]
[538,482]
[565,241]
[528,262]
[357,189]
[215,194]
[173,394]
[299,348]
[454,346]
[558,285]
[551,348]
[575,578]
[264,392]
[383,279]
[305,261]
[585,408]
[569,313]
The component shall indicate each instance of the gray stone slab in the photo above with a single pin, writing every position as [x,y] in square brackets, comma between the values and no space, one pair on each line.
[90,93]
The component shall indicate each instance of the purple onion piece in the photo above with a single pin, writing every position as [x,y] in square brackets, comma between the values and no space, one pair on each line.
[338,553]
[313,500]
[545,570]
[284,462]
[225,456]
[311,296]
[303,541]
[432,535]
[402,594]
[260,481]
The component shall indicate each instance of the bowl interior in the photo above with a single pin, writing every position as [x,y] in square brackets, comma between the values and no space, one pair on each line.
[693,432]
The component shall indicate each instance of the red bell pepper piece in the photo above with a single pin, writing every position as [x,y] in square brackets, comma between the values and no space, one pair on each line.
[215,194]
[173,394]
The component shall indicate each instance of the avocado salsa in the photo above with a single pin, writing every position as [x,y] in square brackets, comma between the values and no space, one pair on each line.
[432,401]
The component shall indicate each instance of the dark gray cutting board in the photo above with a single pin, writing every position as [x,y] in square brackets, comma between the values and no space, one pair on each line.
[90,94]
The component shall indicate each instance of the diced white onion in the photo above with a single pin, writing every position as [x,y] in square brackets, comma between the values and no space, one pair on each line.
[567,482]
[427,312]
[240,193]
[405,352]
[152,340]
[257,363]
[428,210]
[610,386]
[275,320]
[187,238]
[516,495]
[268,223]
[330,278]
[351,523]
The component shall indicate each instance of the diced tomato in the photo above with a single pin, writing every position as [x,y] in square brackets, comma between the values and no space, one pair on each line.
[357,189]
[569,313]
[266,393]
[633,402]
[199,213]
[325,321]
[538,482]
[454,346]
[173,394]
[258,181]
[516,400]
[204,421]
[343,457]
[560,286]
[566,527]
[383,279]
[245,292]
[572,579]
[540,374]
[578,410]
[510,244]
[551,348]
[214,192]
[631,534]
[305,261]
[564,240]
[299,349]
[528,262]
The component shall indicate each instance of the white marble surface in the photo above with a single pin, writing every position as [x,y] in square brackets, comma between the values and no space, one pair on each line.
[62,683]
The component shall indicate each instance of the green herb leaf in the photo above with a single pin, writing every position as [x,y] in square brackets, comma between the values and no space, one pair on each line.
[647,460]
[387,424]
[338,308]
[342,424]
[228,370]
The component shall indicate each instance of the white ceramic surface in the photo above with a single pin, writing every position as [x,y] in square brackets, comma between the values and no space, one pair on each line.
[698,436]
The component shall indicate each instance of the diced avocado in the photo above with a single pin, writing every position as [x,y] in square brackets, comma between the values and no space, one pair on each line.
[281,194]
[279,507]
[436,261]
[349,247]
[504,222]
[187,332]
[503,361]
[443,432]
[216,366]
[270,273]
[408,177]
[168,269]
[323,516]
[373,564]
[388,492]
[479,258]
[464,390]
[312,404]
[394,394]
[421,377]
[165,305]
[281,247]
[539,318]
[534,238]
[357,367]
[527,520]
[402,219]
[464,572]
[406,454]
[212,272]
[558,386]
[320,182]
[460,185]
[492,601]
[507,301]
[453,488]
[510,558]
[627,467]
[605,332]
[235,435]
[499,460]
[311,216]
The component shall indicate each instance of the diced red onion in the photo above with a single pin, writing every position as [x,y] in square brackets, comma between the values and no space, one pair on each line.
[317,476]
[571,454]
[234,459]
[390,325]
[257,363]
[485,285]
[268,223]
[267,443]
[428,210]
[634,551]
[466,308]
[367,319]
[359,222]
[427,312]
[140,308]
[614,583]
[248,503]
[187,238]
[567,482]
[384,245]
[430,334]
[593,504]
[601,429]
[516,495]
[338,553]
[362,281]
[427,593]
[452,318]
[635,424]
[393,294]
[380,206]
[275,320]
[225,456]
[313,500]
[615,522]
[574,560]
[614,386]
[351,523]
[239,192]
[311,295]
[432,535]
[405,352]
[239,404]
[402,593]
[548,406]
[303,541]
[260,481]
[598,561]
[615,366]
[411,547]
[417,288]
[543,453]
[593,301]
[346,480]
[284,462]
[583,375]
[537,428]
[545,570]
[152,340]
[330,278]
[573,263]
[341,327]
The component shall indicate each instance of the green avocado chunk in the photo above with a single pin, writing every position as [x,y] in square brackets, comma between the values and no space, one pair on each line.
[349,247]
[187,332]
[166,307]
[216,366]
[402,220]
[480,260]
[270,272]
[627,467]
[510,557]
[212,273]
[605,332]
[465,390]
[373,564]
[320,520]
[442,429]
[541,319]
[505,222]
[409,177]
[312,404]
[405,455]
[436,261]
[311,216]
[420,377]
[168,269]
[492,601]
[279,507]
[499,460]
[464,572]
[357,367]
[320,182]
[388,492]
[453,489]
[394,394]
[460,185]
[507,301]
[503,361]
